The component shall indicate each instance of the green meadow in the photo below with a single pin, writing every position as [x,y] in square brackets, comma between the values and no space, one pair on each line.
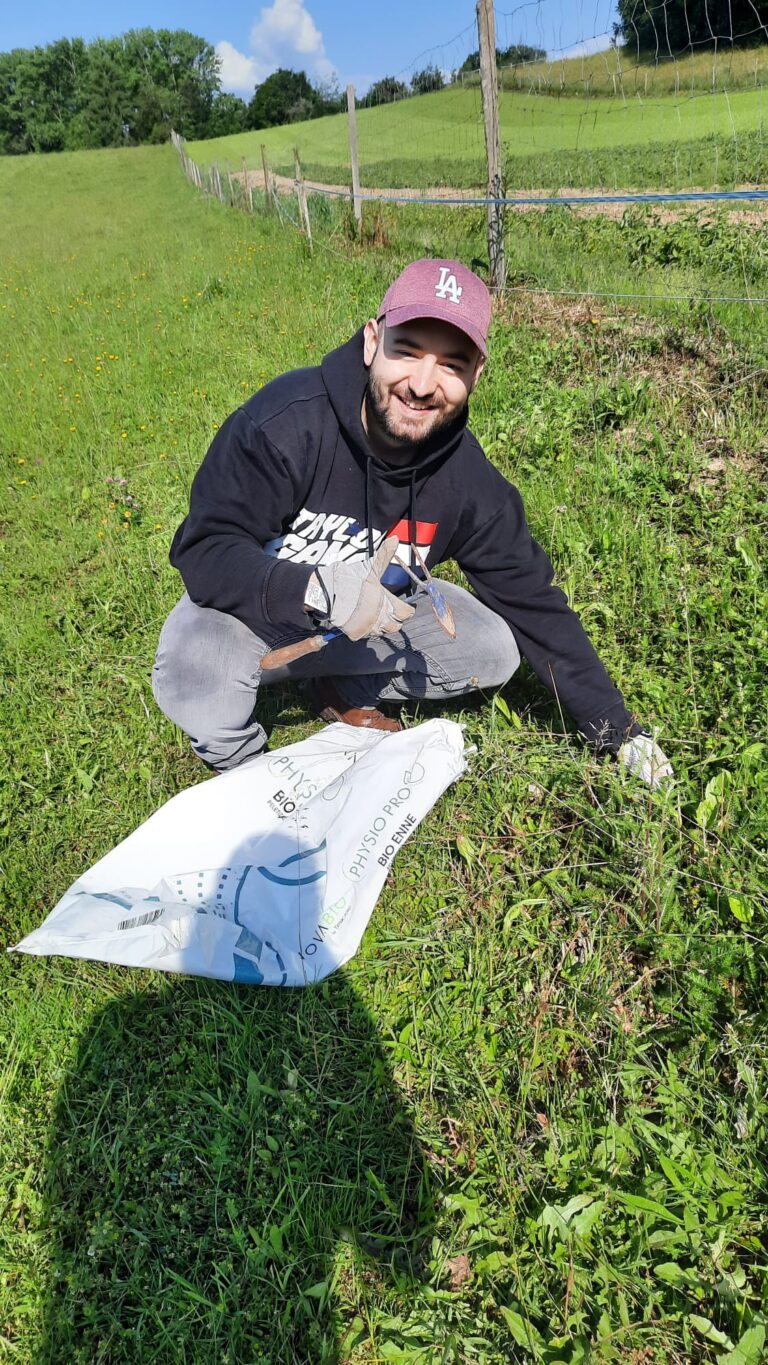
[547,140]
[528,1122]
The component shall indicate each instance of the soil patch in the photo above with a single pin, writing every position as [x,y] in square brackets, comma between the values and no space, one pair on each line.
[755,211]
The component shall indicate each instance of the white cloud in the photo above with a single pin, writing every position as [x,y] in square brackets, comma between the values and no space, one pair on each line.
[238,72]
[285,34]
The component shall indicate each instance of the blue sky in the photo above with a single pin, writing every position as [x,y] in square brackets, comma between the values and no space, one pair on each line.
[353,40]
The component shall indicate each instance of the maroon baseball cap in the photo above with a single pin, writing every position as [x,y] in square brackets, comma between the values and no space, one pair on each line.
[440,289]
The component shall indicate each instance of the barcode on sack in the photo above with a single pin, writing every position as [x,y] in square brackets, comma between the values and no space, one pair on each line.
[136,923]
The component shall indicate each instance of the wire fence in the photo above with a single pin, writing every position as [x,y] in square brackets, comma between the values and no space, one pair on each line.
[298,205]
[634,172]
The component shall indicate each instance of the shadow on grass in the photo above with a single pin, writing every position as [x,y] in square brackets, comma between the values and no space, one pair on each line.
[226,1165]
[230,1173]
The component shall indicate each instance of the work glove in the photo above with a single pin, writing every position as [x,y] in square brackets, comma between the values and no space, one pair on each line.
[350,596]
[641,756]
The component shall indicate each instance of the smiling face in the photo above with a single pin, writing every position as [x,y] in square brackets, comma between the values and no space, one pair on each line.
[420,376]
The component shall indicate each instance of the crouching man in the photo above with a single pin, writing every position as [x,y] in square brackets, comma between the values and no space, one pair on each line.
[315,500]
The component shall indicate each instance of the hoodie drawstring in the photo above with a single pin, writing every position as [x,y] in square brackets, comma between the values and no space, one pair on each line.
[412,518]
[369,508]
[411,523]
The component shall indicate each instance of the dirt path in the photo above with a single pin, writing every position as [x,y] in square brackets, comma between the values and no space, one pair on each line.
[753,212]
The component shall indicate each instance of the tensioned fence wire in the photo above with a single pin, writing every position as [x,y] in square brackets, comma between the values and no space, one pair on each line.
[539,201]
[206,182]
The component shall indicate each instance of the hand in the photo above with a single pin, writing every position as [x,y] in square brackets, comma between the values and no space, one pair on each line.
[355,601]
[642,756]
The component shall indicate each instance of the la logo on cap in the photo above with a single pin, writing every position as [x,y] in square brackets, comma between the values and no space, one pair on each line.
[446,287]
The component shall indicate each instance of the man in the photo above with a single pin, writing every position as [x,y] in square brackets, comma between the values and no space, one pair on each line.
[303,518]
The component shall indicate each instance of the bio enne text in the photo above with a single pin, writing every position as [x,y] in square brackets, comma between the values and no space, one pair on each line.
[372,842]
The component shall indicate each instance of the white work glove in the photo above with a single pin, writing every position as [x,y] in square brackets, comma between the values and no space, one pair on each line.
[350,596]
[641,756]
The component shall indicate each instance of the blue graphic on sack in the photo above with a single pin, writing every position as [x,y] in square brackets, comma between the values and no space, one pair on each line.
[257,891]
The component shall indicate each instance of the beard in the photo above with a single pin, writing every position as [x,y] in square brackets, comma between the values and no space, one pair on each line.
[377,400]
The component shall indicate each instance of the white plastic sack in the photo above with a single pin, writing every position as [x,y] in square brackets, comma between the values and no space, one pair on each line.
[267,874]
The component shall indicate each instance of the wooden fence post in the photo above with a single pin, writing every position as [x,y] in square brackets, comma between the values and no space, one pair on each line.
[231,186]
[267,178]
[301,195]
[352,121]
[247,187]
[486,26]
[276,199]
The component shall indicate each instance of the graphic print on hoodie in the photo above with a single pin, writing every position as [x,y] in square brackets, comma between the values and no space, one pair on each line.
[329,538]
[290,479]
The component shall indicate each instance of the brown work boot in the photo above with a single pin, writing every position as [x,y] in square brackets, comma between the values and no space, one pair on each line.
[325,702]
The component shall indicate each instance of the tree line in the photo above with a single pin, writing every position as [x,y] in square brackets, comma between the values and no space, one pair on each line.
[132,89]
[118,92]
[108,93]
[678,26]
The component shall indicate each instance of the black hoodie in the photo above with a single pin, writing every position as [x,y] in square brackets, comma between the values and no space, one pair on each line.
[290,481]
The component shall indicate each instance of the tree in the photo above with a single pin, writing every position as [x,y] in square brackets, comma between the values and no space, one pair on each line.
[424,82]
[505,56]
[386,90]
[14,137]
[519,53]
[284,97]
[330,100]
[175,76]
[48,83]
[70,94]
[228,115]
[671,29]
[108,106]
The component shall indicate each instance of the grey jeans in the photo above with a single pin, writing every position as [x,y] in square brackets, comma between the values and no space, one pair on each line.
[208,671]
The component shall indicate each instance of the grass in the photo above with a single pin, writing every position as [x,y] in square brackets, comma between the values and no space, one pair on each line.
[438,139]
[528,1122]
[622,71]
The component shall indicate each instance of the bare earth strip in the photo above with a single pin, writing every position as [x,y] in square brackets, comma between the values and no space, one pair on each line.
[754,213]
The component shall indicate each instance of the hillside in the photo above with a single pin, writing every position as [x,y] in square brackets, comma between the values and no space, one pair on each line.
[438,139]
[621,69]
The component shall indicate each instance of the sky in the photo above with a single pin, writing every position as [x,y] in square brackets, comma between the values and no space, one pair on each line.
[349,41]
